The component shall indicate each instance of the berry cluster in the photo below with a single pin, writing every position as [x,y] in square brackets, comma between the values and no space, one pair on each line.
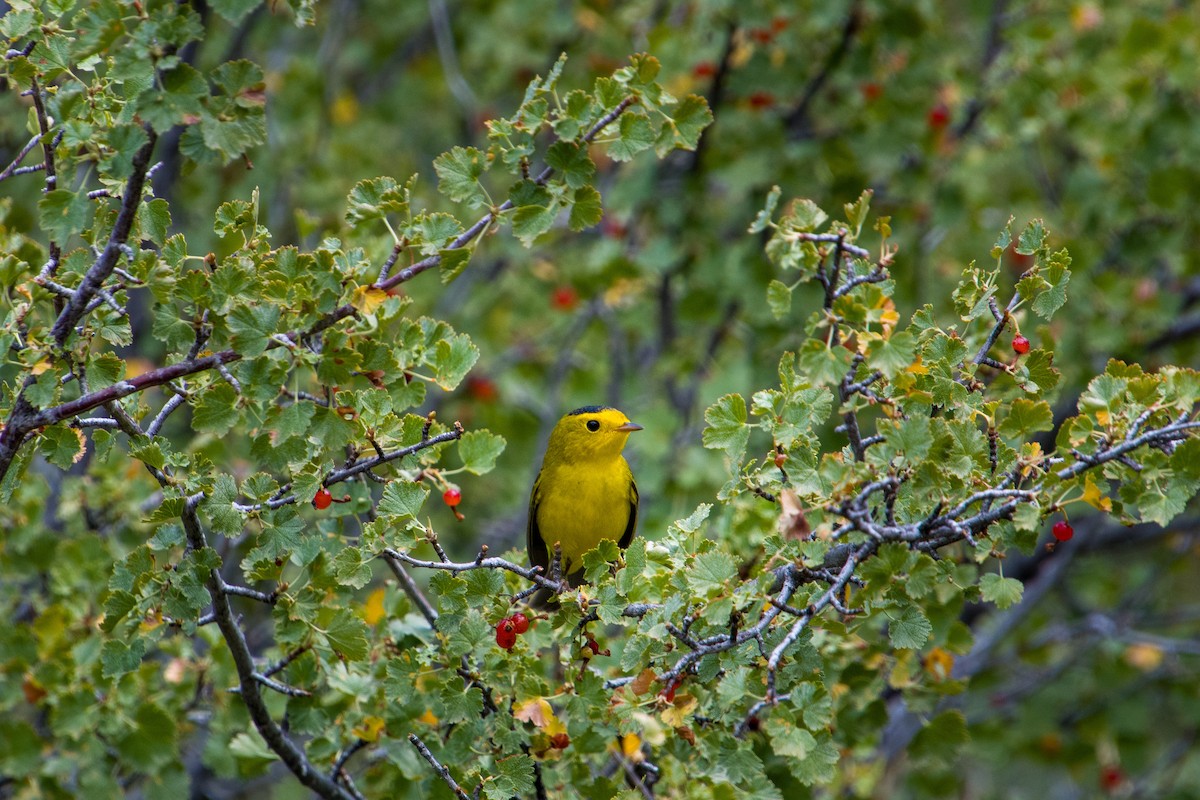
[508,628]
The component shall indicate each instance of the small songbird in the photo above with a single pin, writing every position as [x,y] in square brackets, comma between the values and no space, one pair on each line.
[583,494]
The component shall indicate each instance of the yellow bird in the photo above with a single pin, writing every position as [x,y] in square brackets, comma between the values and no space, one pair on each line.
[583,494]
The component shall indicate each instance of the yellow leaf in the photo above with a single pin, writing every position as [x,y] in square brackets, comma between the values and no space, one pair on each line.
[652,731]
[631,747]
[939,663]
[367,298]
[1144,656]
[917,368]
[369,729]
[1092,496]
[82,445]
[151,621]
[345,109]
[540,713]
[677,713]
[1103,417]
[622,292]
[373,609]
[428,718]
[40,367]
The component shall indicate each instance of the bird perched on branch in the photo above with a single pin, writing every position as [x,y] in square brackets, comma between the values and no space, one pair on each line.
[583,494]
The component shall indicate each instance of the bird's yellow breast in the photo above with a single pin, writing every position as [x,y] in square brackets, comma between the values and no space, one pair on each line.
[578,505]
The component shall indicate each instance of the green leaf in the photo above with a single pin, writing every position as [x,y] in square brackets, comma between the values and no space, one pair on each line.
[690,118]
[893,355]
[909,630]
[118,604]
[179,99]
[1057,275]
[470,632]
[43,391]
[479,451]
[572,163]
[454,358]
[123,142]
[351,569]
[726,427]
[374,199]
[20,746]
[216,411]
[149,744]
[941,738]
[530,222]
[454,262]
[437,231]
[250,749]
[692,523]
[232,133]
[634,134]
[222,516]
[118,658]
[347,634]
[63,213]
[1032,239]
[234,11]
[762,220]
[513,778]
[61,446]
[403,498]
[586,210]
[104,370]
[711,571]
[779,299]
[597,560]
[1039,365]
[252,328]
[1004,592]
[1026,417]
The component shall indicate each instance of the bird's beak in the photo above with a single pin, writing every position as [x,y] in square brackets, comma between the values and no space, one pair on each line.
[628,427]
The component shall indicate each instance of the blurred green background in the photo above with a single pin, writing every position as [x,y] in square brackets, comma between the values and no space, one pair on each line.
[956,115]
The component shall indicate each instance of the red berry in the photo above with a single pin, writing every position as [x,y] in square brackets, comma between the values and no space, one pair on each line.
[871,91]
[322,499]
[705,69]
[939,116]
[482,389]
[560,741]
[520,622]
[1020,344]
[1111,778]
[452,497]
[780,459]
[668,693]
[564,298]
[1062,530]
[506,634]
[760,100]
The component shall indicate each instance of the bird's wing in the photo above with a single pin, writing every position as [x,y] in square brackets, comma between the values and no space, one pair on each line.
[631,526]
[539,556]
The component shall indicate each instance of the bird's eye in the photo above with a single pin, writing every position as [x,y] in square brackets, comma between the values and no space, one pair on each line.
[593,425]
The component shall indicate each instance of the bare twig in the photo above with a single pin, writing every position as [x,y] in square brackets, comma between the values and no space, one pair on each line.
[442,771]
